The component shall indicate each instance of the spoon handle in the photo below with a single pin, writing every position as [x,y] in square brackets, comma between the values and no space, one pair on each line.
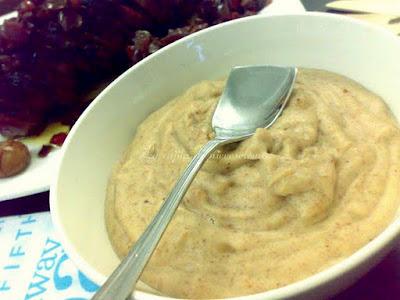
[122,281]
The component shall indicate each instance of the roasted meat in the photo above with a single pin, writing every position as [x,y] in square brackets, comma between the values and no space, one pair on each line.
[56,51]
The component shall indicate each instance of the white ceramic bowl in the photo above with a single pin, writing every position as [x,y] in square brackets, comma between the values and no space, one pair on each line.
[362,52]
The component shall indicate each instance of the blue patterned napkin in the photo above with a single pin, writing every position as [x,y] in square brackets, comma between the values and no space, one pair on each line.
[33,264]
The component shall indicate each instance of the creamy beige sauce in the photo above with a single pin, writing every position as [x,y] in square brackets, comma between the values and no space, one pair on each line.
[284,204]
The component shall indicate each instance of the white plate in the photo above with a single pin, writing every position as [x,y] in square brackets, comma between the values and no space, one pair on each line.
[34,180]
[38,176]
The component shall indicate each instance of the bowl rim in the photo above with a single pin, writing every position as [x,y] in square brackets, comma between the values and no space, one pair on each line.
[386,238]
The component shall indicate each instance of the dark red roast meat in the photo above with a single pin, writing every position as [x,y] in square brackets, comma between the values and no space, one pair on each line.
[57,51]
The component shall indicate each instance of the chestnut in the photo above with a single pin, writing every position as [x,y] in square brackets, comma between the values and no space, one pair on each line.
[14,158]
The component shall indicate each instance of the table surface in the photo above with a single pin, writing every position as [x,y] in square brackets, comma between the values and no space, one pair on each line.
[382,282]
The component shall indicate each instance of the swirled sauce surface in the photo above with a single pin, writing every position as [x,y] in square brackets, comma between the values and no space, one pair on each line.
[282,205]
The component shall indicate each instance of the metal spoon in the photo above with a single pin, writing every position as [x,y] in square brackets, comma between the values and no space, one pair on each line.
[254,97]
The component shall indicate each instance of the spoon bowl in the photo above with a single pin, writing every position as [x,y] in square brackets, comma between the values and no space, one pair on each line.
[254,97]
